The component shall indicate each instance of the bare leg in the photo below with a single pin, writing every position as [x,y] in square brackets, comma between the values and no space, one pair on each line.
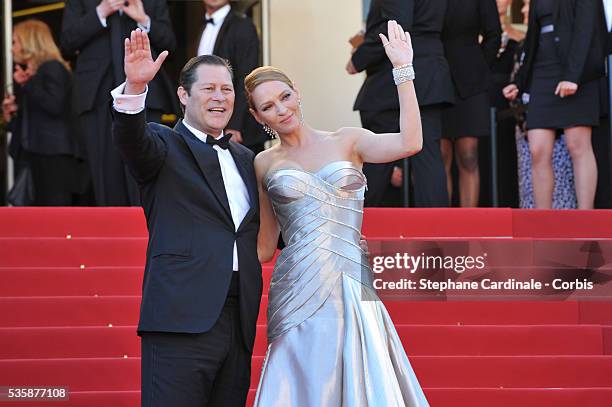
[466,154]
[446,148]
[578,140]
[541,143]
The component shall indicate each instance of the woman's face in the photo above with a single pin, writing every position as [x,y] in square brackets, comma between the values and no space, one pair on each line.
[277,105]
[17,50]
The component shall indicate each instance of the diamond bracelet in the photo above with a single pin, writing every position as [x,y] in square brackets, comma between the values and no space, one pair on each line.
[403,74]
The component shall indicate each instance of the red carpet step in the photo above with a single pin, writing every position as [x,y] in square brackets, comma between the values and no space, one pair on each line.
[418,340]
[70,295]
[592,397]
[416,222]
[123,310]
[433,372]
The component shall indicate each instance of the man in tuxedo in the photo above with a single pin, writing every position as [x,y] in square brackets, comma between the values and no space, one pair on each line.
[93,31]
[202,281]
[378,102]
[232,35]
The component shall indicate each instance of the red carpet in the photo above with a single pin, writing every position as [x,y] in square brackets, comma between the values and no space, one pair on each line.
[71,280]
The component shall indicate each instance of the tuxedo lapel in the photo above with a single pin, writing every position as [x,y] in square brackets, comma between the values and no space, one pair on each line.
[227,23]
[208,161]
[114,22]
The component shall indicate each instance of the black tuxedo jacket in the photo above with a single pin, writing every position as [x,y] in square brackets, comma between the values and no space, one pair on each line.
[470,61]
[99,51]
[424,20]
[239,44]
[191,233]
[580,31]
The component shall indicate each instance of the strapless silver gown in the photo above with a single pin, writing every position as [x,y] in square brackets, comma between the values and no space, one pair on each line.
[331,340]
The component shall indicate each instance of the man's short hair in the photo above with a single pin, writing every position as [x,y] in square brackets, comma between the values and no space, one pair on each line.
[189,76]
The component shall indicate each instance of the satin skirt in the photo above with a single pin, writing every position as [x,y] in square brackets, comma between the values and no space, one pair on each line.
[347,353]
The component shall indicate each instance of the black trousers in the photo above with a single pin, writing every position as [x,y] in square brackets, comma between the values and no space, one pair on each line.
[211,369]
[427,168]
[112,183]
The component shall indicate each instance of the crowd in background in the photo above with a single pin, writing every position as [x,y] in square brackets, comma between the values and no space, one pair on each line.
[547,85]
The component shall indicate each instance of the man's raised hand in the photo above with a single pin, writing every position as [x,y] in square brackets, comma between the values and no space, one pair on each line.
[139,67]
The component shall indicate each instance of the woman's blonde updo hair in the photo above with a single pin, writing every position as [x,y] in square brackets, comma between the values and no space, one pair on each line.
[37,45]
[262,75]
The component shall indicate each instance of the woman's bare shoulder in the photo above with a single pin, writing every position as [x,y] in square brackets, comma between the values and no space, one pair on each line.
[263,161]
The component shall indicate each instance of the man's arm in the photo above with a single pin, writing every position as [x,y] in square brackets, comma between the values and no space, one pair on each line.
[371,52]
[79,25]
[143,150]
[160,31]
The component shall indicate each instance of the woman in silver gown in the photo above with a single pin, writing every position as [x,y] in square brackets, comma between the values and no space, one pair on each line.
[331,340]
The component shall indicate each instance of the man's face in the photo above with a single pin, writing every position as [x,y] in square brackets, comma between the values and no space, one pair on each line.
[210,102]
[214,5]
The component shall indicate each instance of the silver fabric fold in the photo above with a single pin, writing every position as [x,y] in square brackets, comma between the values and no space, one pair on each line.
[331,340]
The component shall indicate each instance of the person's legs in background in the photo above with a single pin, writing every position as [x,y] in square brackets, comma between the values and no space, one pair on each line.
[446,149]
[466,156]
[578,140]
[541,143]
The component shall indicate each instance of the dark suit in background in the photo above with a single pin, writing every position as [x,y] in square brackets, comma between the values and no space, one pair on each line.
[378,101]
[470,63]
[469,60]
[189,285]
[238,42]
[99,68]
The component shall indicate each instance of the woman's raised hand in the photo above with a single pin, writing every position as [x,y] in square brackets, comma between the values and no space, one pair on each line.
[398,46]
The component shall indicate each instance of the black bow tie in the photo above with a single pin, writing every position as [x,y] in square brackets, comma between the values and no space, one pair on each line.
[209,21]
[223,142]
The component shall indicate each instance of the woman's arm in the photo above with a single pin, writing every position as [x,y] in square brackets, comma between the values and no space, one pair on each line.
[49,88]
[490,29]
[378,148]
[582,35]
[267,239]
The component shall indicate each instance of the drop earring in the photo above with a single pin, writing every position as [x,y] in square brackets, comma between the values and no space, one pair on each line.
[271,132]
[301,111]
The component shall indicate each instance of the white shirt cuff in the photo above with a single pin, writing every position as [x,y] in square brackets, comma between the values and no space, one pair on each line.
[129,104]
[102,19]
[146,27]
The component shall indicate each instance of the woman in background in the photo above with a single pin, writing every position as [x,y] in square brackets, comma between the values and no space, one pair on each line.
[563,60]
[39,115]
[469,62]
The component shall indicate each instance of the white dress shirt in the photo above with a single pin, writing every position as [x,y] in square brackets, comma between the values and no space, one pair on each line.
[211,31]
[146,27]
[235,188]
[608,10]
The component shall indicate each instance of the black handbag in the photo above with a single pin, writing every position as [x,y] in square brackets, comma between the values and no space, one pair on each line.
[22,192]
